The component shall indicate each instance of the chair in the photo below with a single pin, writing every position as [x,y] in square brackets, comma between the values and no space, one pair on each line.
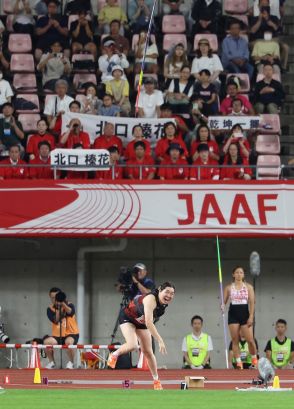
[29,121]
[81,98]
[80,79]
[83,57]
[236,6]
[48,97]
[268,160]
[7,6]
[244,81]
[22,63]
[270,124]
[25,83]
[240,17]
[19,43]
[212,38]
[135,40]
[29,97]
[173,24]
[9,22]
[170,40]
[276,76]
[268,144]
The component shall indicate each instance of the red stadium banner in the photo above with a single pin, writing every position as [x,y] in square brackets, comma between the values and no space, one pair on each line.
[142,209]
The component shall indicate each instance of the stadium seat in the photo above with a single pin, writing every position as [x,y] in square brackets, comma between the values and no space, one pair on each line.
[83,57]
[25,83]
[268,160]
[81,98]
[135,40]
[7,6]
[276,76]
[270,124]
[29,97]
[236,6]
[212,38]
[170,40]
[9,22]
[174,23]
[19,43]
[29,121]
[22,63]
[268,144]
[80,79]
[240,17]
[244,81]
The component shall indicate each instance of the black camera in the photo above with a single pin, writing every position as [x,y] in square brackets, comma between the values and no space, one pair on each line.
[125,280]
[60,297]
[3,337]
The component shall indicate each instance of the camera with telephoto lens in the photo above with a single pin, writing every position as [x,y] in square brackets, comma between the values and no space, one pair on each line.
[125,279]
[60,297]
[4,338]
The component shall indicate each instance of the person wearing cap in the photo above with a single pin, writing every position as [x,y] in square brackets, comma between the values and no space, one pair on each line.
[109,12]
[114,172]
[141,283]
[150,100]
[108,139]
[170,135]
[179,168]
[138,135]
[142,166]
[207,15]
[119,89]
[197,172]
[111,57]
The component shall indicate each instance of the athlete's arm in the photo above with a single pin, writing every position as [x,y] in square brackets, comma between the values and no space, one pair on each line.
[149,306]
[251,300]
[226,297]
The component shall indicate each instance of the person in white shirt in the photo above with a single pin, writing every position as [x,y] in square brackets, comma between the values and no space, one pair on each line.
[197,346]
[110,58]
[150,63]
[150,100]
[5,91]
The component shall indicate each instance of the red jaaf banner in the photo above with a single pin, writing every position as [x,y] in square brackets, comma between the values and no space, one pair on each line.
[64,208]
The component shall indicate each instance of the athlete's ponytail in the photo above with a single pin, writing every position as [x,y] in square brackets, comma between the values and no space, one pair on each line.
[166,284]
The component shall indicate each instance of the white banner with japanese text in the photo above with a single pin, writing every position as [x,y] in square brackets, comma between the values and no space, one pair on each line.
[80,159]
[227,122]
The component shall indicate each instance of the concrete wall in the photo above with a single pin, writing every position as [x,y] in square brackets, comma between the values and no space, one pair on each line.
[30,267]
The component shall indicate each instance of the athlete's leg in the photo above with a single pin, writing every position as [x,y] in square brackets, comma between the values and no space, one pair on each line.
[146,347]
[247,333]
[129,332]
[235,336]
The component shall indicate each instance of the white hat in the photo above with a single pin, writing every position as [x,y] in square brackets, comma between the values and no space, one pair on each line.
[117,67]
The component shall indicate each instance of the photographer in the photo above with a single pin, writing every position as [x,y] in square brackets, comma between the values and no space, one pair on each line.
[75,135]
[64,326]
[139,283]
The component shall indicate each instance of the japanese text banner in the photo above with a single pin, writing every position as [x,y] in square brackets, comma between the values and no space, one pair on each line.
[80,159]
[52,208]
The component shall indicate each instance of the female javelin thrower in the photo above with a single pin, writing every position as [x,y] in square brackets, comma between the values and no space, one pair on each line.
[137,322]
[241,314]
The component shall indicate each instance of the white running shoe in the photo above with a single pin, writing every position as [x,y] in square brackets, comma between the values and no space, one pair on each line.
[50,365]
[69,365]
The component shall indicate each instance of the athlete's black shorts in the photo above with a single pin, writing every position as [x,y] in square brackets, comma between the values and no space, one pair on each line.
[238,314]
[61,340]
[123,318]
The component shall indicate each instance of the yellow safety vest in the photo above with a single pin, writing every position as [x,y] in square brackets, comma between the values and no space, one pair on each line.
[197,350]
[281,354]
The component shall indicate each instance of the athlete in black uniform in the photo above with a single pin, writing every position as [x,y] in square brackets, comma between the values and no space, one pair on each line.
[137,322]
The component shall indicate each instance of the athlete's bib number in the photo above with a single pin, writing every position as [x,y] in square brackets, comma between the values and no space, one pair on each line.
[280,357]
[195,351]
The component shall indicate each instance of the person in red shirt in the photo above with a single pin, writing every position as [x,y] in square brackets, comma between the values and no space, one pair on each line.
[33,141]
[203,136]
[232,93]
[170,136]
[146,163]
[237,136]
[180,171]
[43,158]
[166,112]
[138,136]
[203,159]
[108,139]
[111,173]
[77,174]
[13,162]
[75,136]
[234,157]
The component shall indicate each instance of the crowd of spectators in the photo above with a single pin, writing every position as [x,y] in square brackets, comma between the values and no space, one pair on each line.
[187,83]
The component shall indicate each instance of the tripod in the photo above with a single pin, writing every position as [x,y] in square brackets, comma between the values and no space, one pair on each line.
[124,302]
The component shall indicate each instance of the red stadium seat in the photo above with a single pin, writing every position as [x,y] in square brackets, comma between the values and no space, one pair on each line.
[29,121]
[240,17]
[268,160]
[244,81]
[83,57]
[135,40]
[174,23]
[236,6]
[81,98]
[29,97]
[22,63]
[276,76]
[80,79]
[170,40]
[270,124]
[19,43]
[268,144]
[7,6]
[212,38]
[25,83]
[9,22]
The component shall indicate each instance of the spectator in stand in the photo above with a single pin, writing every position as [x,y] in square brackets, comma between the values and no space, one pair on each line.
[197,346]
[11,132]
[206,60]
[232,93]
[166,112]
[40,7]
[280,350]
[82,34]
[57,105]
[269,93]
[23,21]
[5,91]
[204,159]
[139,12]
[13,162]
[205,95]
[150,100]
[75,136]
[108,139]
[42,158]
[77,174]
[264,23]
[111,11]
[179,168]
[4,62]
[175,60]
[138,135]
[110,58]
[206,14]
[54,66]
[34,140]
[121,43]
[92,104]
[75,106]
[203,136]
[238,108]
[237,137]
[75,6]
[233,157]
[245,356]
[108,108]
[115,172]
[180,90]
[151,65]
[266,52]
[142,166]
[170,136]
[235,53]
[276,6]
[119,89]
[176,7]
[51,28]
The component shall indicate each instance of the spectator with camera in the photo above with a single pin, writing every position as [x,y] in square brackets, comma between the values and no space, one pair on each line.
[75,135]
[65,330]
[82,33]
[11,132]
[111,57]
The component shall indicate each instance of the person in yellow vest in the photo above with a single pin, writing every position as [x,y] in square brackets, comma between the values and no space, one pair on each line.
[280,350]
[65,330]
[244,354]
[197,346]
